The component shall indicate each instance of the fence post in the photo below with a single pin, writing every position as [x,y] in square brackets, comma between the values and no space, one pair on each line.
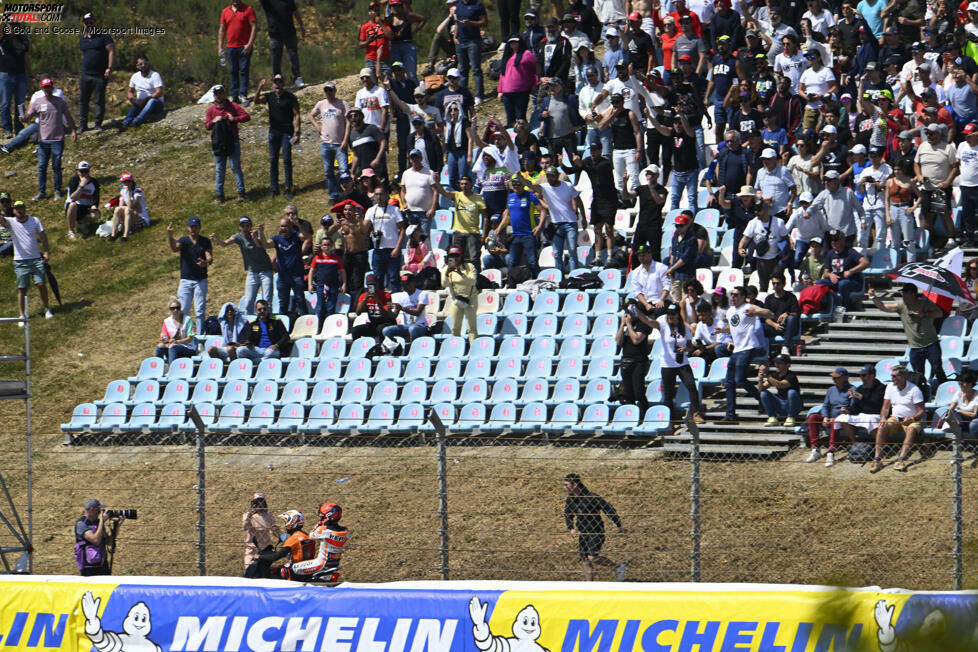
[694,491]
[952,419]
[442,491]
[201,505]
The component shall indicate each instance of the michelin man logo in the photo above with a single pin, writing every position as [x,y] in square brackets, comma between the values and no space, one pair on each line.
[526,630]
[135,628]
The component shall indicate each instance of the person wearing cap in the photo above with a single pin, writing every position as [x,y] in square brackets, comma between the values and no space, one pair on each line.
[967,154]
[937,164]
[222,120]
[554,56]
[784,306]
[97,63]
[766,233]
[329,118]
[94,534]
[566,210]
[649,222]
[398,85]
[815,260]
[83,198]
[679,12]
[677,341]
[667,41]
[691,45]
[54,119]
[327,276]
[917,313]
[375,39]
[814,85]
[517,215]
[809,225]
[373,100]
[284,127]
[780,392]
[458,277]
[864,412]
[412,303]
[842,267]
[746,118]
[838,205]
[614,54]
[31,253]
[238,27]
[472,17]
[130,213]
[849,25]
[533,31]
[724,71]
[261,531]
[145,95]
[257,264]
[574,32]
[872,181]
[560,120]
[423,142]
[683,253]
[24,135]
[196,255]
[627,139]
[774,181]
[369,144]
[902,413]
[517,79]
[838,398]
[743,320]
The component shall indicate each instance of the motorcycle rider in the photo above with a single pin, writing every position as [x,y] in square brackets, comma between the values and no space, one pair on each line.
[332,537]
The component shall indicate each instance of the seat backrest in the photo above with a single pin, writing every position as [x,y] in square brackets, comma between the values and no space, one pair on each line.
[484,346]
[241,368]
[452,347]
[411,415]
[509,367]
[474,390]
[488,301]
[207,412]
[573,347]
[546,302]
[952,347]
[388,368]
[504,390]
[150,368]
[335,326]
[535,412]
[513,325]
[328,369]
[493,275]
[265,391]
[576,302]
[543,346]
[417,368]
[381,414]
[611,278]
[603,346]
[324,391]
[384,392]
[291,414]
[415,391]
[176,391]
[299,368]
[445,412]
[658,416]
[513,346]
[885,258]
[565,414]
[604,325]
[945,392]
[472,414]
[354,392]
[304,348]
[422,347]
[485,324]
[626,415]
[181,368]
[143,414]
[596,413]
[448,368]
[544,325]
[698,367]
[295,391]
[173,414]
[730,278]
[598,389]
[535,389]
[606,303]
[357,369]
[261,414]
[478,368]
[333,348]
[210,368]
[539,366]
[305,326]
[569,368]
[718,368]
[321,415]
[204,391]
[503,413]
[566,389]
[117,390]
[574,325]
[517,303]
[351,415]
[269,369]
[601,367]
[444,390]
[236,390]
[954,326]
[232,414]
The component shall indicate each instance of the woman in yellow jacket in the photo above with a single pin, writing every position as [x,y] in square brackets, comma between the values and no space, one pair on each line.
[458,278]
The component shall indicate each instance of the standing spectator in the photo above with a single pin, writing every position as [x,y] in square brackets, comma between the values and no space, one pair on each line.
[412,303]
[871,182]
[471,17]
[401,87]
[564,202]
[808,226]
[374,101]
[368,142]
[766,233]
[29,258]
[284,126]
[903,411]
[418,193]
[683,253]
[458,145]
[458,277]
[780,392]
[15,67]
[83,198]
[517,214]
[937,165]
[53,119]
[901,200]
[649,284]
[290,244]
[815,83]
[145,95]
[582,516]
[332,125]
[222,121]
[917,314]
[626,141]
[804,169]
[261,532]
[591,111]
[403,24]
[196,255]
[281,17]
[604,199]
[327,278]
[724,72]
[677,341]
[98,62]
[443,39]
[784,308]
[355,234]
[237,32]
[864,411]
[968,158]
[636,347]
[843,268]
[560,120]
[387,228]
[838,400]
[455,93]
[266,337]
[131,212]
[177,336]
[471,220]
[533,31]
[554,56]
[518,79]
[25,134]
[375,39]
[839,206]
[685,164]
[649,223]
[744,323]
[257,264]
[774,181]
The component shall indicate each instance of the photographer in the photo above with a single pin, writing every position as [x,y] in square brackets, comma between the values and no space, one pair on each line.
[780,392]
[95,534]
[633,338]
[677,342]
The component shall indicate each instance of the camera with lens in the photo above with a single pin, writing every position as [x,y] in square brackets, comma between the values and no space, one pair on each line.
[680,356]
[128,514]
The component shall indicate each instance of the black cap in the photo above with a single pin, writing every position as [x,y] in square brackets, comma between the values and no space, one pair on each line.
[782,358]
[836,234]
[867,369]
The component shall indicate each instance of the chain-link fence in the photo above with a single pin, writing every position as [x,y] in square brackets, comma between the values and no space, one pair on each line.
[481,506]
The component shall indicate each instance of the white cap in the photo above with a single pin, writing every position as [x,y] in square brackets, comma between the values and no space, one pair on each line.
[83,165]
[611,31]
[829,129]
[858,149]
[652,169]
[366,72]
[769,153]
[453,72]
[973,6]
[806,197]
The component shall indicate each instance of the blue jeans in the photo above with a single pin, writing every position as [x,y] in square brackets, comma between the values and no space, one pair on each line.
[407,53]
[457,168]
[930,353]
[790,333]
[515,104]
[523,245]
[279,141]
[13,90]
[22,137]
[195,291]
[288,284]
[220,166]
[774,406]
[848,287]
[254,280]
[470,56]
[176,352]
[419,219]
[258,353]
[326,296]
[49,151]
[330,152]
[566,236]
[407,331]
[602,136]
[700,147]
[801,250]
[737,370]
[239,65]
[387,269]
[688,180]
[902,232]
[136,116]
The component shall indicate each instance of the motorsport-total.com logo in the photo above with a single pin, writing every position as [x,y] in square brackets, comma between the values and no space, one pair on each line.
[32,12]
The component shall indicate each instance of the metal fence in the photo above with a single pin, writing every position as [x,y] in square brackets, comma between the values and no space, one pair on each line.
[432,505]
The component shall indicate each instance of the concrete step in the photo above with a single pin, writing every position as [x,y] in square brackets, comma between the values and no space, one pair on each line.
[826,360]
[867,324]
[862,337]
[726,450]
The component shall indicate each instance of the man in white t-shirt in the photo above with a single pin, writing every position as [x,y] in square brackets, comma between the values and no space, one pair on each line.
[410,304]
[386,226]
[145,94]
[746,331]
[374,101]
[418,193]
[566,208]
[968,160]
[814,84]
[872,181]
[329,119]
[790,62]
[650,284]
[29,258]
[903,409]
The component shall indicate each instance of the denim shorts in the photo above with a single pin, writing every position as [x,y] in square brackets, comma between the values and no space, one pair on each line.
[25,269]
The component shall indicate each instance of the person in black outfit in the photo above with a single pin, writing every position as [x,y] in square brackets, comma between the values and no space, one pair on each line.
[780,391]
[281,17]
[284,125]
[377,304]
[98,60]
[534,32]
[554,56]
[633,338]
[585,507]
[867,403]
[648,228]
[604,201]
[403,87]
[784,305]
[95,533]
[587,20]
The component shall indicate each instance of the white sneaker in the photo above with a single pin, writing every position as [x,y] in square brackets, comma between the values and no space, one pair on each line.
[814,456]
[20,324]
[48,314]
[829,460]
[478,101]
[951,243]
[620,572]
[299,83]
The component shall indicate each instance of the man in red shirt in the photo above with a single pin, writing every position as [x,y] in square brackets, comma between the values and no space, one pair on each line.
[375,38]
[680,11]
[222,120]
[238,28]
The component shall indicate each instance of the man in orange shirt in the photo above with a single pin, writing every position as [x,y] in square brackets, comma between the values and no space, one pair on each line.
[375,38]
[238,27]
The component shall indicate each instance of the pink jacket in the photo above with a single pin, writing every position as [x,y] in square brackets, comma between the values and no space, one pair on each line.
[518,79]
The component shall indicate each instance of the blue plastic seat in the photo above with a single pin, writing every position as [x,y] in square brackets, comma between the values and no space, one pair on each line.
[295,391]
[544,325]
[513,346]
[357,369]
[717,374]
[176,391]
[698,367]
[143,416]
[148,368]
[572,347]
[242,368]
[474,390]
[260,418]
[546,303]
[410,417]
[470,417]
[417,369]
[597,390]
[379,419]
[708,217]
[626,417]
[595,418]
[508,367]
[181,368]
[656,421]
[388,368]
[207,413]
[448,368]
[320,419]
[504,390]
[485,324]
[533,417]
[231,417]
[484,346]
[954,326]
[653,391]
[502,418]
[610,278]
[350,418]
[328,370]
[209,369]
[324,391]
[539,367]
[299,369]
[265,391]
[517,303]
[566,389]
[603,346]
[884,260]
[445,412]
[574,325]
[444,391]
[944,394]
[116,391]
[414,391]
[952,347]
[343,303]
[361,346]
[304,347]
[205,391]
[452,347]
[333,348]
[513,325]
[606,303]
[551,274]
[235,391]
[952,367]
[569,368]
[82,418]
[601,367]
[543,346]
[443,220]
[535,390]
[172,417]
[604,325]
[354,391]
[289,418]
[384,392]
[576,303]
[422,347]
[565,416]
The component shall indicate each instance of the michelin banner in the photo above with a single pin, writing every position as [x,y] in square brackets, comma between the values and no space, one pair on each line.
[230,615]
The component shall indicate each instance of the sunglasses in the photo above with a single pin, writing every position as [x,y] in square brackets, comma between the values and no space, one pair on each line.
[174,307]
[291,213]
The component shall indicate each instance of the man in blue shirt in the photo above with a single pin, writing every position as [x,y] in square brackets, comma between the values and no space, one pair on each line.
[724,72]
[517,215]
[682,260]
[837,399]
[289,246]
[471,17]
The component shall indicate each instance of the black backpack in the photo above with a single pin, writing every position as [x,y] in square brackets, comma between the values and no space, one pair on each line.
[860,452]
[222,138]
[212,326]
[429,279]
[585,281]
[517,275]
[485,283]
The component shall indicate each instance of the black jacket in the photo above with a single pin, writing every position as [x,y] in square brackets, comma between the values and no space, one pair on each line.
[277,333]
[586,508]
[560,62]
[872,400]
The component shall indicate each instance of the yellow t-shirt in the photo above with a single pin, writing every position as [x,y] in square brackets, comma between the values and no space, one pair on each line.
[468,210]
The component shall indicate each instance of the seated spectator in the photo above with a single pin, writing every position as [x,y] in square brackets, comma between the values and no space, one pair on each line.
[458,278]
[145,94]
[842,268]
[867,402]
[417,255]
[902,413]
[377,304]
[784,305]
[234,329]
[837,399]
[917,314]
[964,405]
[812,264]
[327,278]
[177,335]
[708,342]
[780,391]
[497,245]
[413,304]
[130,212]
[266,337]
[650,284]
[692,295]
[83,197]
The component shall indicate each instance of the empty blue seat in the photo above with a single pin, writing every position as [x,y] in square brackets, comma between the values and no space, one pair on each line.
[573,347]
[209,369]
[176,391]
[884,260]
[604,325]
[181,368]
[82,418]
[452,347]
[533,417]
[116,391]
[299,369]
[143,416]
[502,418]
[597,390]
[295,391]
[576,303]
[504,390]
[517,303]
[357,369]
[546,303]
[205,391]
[513,325]
[388,368]
[708,217]
[564,417]
[148,368]
[361,346]
[409,419]
[952,347]
[535,390]
[350,418]
[509,367]
[384,392]
[569,368]
[717,374]
[471,416]
[417,368]
[944,394]
[444,390]
[602,346]
[551,274]
[611,279]
[595,418]
[445,413]
[543,346]
[242,368]
[656,421]
[422,347]
[954,326]
[320,419]
[324,391]
[513,346]
[265,391]
[566,389]
[354,391]
[328,370]
[544,325]
[653,391]
[574,325]
[474,390]
[235,392]
[448,368]
[484,346]
[304,347]
[951,366]
[207,413]
[698,367]
[147,391]
[380,418]
[414,391]
[289,418]
[484,324]
[606,303]
[231,417]
[626,417]
[333,348]
[260,418]
[172,417]
[539,367]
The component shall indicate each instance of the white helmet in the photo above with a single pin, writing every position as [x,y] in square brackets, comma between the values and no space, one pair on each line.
[293,519]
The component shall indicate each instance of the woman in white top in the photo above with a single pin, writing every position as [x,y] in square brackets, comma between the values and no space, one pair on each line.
[677,342]
[965,404]
[131,211]
[766,233]
[177,335]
